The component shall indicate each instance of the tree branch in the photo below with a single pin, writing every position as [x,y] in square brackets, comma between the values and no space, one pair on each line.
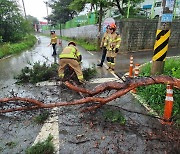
[122,89]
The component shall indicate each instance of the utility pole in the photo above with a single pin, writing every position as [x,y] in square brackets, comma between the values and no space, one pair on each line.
[99,27]
[162,37]
[46,8]
[24,9]
[47,13]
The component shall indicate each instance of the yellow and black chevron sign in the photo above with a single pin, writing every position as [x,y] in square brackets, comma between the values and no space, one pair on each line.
[161,45]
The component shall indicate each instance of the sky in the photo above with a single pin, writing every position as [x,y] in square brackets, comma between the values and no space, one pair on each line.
[36,8]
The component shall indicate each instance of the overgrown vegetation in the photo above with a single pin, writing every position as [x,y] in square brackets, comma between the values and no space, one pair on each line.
[12,48]
[90,45]
[14,27]
[154,95]
[114,116]
[43,72]
[45,147]
[42,117]
[89,73]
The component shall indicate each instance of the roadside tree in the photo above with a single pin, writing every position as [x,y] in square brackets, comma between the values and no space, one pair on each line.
[13,26]
[61,11]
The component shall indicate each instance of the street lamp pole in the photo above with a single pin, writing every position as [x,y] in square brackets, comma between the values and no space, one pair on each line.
[24,9]
[47,13]
[46,7]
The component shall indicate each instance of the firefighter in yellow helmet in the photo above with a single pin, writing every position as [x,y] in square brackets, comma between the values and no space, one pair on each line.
[113,44]
[71,56]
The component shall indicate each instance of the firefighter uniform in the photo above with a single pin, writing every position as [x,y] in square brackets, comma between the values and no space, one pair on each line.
[113,44]
[70,56]
[104,49]
[104,39]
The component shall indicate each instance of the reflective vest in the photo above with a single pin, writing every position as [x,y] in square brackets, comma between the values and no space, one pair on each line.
[53,39]
[70,52]
[113,41]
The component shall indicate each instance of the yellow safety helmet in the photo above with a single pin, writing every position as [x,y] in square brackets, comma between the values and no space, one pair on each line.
[72,42]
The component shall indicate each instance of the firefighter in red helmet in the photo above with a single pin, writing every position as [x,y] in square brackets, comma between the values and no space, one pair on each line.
[113,44]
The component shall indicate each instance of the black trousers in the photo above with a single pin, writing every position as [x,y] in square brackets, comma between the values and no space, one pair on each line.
[104,50]
[54,49]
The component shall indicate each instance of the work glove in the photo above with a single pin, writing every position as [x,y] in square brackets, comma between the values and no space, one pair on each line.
[116,50]
[79,59]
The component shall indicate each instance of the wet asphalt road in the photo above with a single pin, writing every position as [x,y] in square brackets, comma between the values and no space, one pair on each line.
[81,133]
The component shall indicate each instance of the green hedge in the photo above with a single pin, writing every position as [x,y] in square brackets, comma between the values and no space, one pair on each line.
[90,45]
[154,95]
[8,48]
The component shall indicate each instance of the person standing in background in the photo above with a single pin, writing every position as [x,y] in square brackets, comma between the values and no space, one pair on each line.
[112,44]
[53,42]
[103,47]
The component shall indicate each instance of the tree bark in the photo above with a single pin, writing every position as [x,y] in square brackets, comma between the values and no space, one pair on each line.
[122,89]
[99,27]
[119,7]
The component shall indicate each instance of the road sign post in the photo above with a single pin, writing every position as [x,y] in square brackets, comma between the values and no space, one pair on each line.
[162,37]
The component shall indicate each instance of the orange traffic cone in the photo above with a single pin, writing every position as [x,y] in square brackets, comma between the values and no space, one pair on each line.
[131,67]
[136,74]
[168,105]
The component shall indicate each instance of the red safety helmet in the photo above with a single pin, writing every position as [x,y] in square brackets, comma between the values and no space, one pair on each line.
[72,42]
[112,26]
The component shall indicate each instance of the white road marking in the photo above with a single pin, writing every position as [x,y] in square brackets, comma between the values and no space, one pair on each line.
[102,80]
[50,127]
[112,72]
[90,53]
[48,83]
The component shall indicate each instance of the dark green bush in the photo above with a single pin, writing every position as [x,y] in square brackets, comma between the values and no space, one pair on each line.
[89,73]
[43,72]
[26,43]
[39,72]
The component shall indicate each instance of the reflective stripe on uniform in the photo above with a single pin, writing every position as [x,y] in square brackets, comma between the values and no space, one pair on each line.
[61,75]
[80,77]
[73,53]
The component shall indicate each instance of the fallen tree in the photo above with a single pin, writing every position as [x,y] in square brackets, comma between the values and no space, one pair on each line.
[121,89]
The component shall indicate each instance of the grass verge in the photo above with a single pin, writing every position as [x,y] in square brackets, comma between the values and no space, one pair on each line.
[88,44]
[154,95]
[8,48]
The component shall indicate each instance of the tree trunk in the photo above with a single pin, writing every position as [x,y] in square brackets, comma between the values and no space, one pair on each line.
[119,7]
[99,27]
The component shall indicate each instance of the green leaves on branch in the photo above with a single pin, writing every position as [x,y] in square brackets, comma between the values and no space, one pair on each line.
[61,12]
